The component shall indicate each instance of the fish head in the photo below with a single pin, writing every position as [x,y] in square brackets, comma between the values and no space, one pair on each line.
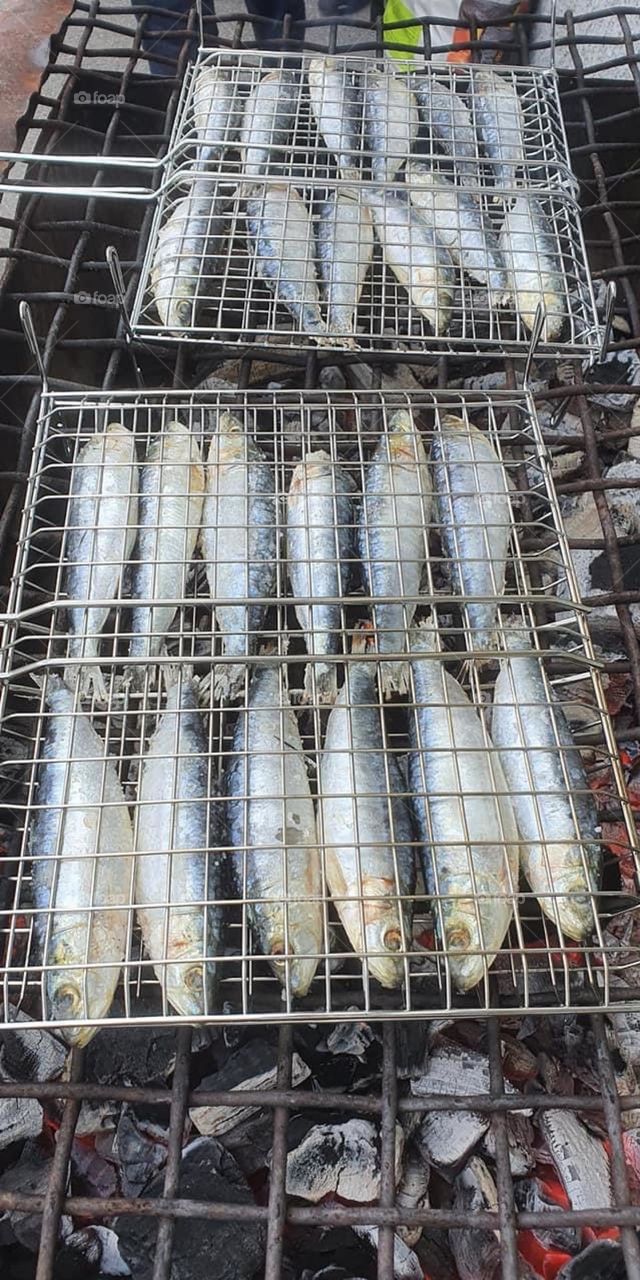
[570,909]
[185,988]
[75,995]
[295,967]
[181,312]
[385,950]
[467,927]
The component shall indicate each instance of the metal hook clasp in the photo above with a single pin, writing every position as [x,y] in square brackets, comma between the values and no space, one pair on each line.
[539,322]
[28,328]
[117,279]
[607,323]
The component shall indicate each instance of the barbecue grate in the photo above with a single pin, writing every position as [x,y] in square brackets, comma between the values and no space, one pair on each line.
[601,143]
[216,226]
[540,595]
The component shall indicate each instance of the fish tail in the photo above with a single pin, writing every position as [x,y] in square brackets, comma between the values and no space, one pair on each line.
[228,681]
[321,682]
[89,681]
[394,678]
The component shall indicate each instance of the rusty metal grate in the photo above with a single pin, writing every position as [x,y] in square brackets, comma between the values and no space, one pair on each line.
[57,253]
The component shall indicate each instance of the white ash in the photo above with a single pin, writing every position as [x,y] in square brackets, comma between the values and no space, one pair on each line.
[339,1159]
[94,1247]
[477,1252]
[406,1264]
[520,1139]
[581,520]
[20,1118]
[580,1159]
[412,1193]
[350,1038]
[239,1073]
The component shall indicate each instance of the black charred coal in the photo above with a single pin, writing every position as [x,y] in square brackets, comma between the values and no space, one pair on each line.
[139,1150]
[602,1260]
[253,1066]
[202,1250]
[31,1173]
[136,1055]
[27,1053]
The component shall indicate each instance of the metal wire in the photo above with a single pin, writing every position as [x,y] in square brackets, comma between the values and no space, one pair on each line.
[232,254]
[539,589]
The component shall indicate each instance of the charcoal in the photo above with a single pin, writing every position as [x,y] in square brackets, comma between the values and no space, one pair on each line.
[602,1260]
[328,1273]
[27,1053]
[20,1118]
[91,1252]
[96,1117]
[137,1055]
[435,1255]
[350,1038]
[202,1250]
[406,1266]
[530,1196]
[250,1143]
[140,1150]
[340,1159]
[92,1174]
[520,1137]
[476,1251]
[412,1193]
[253,1066]
[31,1174]
[580,1159]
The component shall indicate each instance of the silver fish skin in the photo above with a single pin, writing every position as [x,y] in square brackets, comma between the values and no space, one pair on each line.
[462,227]
[101,522]
[321,556]
[336,102]
[580,1159]
[393,539]
[269,118]
[367,829]
[171,498]
[560,851]
[449,122]
[272,827]
[216,112]
[189,246]
[240,544]
[282,233]
[470,842]
[528,246]
[500,122]
[81,824]
[475,522]
[345,250]
[476,1250]
[415,255]
[391,123]
[177,833]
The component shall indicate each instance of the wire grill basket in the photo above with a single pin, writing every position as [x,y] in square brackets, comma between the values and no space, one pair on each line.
[259,227]
[536,966]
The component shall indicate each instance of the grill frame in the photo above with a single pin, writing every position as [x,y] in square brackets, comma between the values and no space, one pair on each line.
[285,1101]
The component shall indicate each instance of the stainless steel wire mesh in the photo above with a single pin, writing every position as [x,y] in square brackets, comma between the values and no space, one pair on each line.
[264,211]
[536,966]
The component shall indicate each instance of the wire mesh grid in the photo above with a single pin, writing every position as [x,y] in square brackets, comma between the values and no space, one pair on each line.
[306,841]
[313,200]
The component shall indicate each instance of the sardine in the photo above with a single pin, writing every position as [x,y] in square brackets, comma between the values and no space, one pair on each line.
[462,227]
[171,498]
[269,118]
[391,123]
[528,246]
[500,122]
[554,806]
[580,1158]
[273,830]
[321,556]
[282,233]
[178,831]
[337,106]
[393,534]
[475,522]
[367,828]
[465,818]
[188,249]
[449,122]
[240,544]
[81,843]
[101,524]
[415,255]
[216,112]
[476,1250]
[345,250]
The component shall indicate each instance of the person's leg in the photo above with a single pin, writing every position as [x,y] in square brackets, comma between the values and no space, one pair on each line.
[272,13]
[160,38]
